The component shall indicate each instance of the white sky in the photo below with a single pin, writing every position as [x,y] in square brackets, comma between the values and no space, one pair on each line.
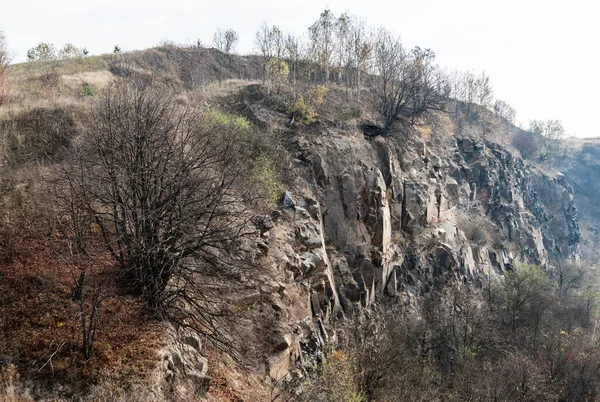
[541,55]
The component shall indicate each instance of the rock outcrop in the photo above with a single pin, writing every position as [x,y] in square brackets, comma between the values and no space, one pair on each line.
[395,217]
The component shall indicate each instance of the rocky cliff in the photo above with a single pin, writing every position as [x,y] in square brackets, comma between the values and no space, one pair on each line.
[405,215]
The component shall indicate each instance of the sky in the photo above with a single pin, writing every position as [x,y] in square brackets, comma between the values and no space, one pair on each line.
[539,53]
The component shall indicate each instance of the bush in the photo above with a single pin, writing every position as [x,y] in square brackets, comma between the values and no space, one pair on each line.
[305,111]
[528,144]
[265,171]
[87,90]
[338,380]
[476,229]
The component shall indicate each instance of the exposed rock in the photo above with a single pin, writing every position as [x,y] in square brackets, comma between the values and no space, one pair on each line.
[281,342]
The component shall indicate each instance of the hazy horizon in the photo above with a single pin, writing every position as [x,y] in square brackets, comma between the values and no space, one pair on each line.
[537,53]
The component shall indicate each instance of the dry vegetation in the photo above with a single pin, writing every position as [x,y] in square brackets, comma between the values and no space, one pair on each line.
[83,287]
[49,284]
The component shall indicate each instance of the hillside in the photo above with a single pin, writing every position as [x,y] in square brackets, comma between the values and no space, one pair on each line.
[321,253]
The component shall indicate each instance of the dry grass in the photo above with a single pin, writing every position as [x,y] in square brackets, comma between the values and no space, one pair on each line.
[37,314]
[23,71]
[11,389]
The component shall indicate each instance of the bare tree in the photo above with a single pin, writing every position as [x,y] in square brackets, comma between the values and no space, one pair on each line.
[428,90]
[505,111]
[226,40]
[321,35]
[391,80]
[484,93]
[170,194]
[407,84]
[294,52]
[5,59]
[270,43]
[361,49]
[343,49]
[553,134]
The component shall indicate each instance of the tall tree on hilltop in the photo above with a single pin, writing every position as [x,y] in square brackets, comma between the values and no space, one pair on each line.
[321,35]
[225,40]
[407,84]
[392,86]
[270,43]
[294,51]
[362,49]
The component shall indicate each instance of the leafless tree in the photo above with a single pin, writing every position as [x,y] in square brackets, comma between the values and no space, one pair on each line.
[553,134]
[406,84]
[170,194]
[484,93]
[527,143]
[5,59]
[505,111]
[270,43]
[392,86]
[321,35]
[225,40]
[294,52]
[569,276]
[343,49]
[429,88]
[362,51]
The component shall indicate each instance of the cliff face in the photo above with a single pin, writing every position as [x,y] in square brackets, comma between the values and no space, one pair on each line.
[394,217]
[582,169]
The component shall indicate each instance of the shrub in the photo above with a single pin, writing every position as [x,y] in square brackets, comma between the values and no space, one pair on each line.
[305,111]
[338,380]
[528,144]
[50,80]
[11,389]
[265,171]
[216,119]
[476,229]
[179,196]
[87,90]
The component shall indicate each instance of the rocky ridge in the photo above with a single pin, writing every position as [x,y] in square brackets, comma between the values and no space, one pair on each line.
[386,218]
